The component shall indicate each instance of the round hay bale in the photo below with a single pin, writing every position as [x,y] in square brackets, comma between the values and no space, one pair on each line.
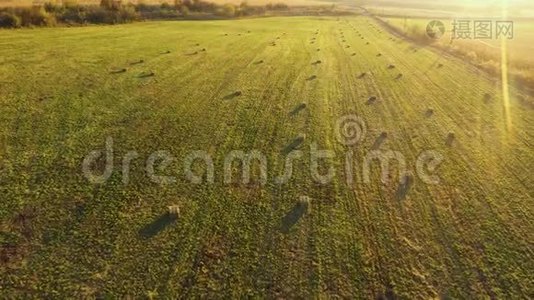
[173,210]
[304,202]
[450,139]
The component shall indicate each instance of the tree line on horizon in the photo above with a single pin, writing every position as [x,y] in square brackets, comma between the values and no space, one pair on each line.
[117,12]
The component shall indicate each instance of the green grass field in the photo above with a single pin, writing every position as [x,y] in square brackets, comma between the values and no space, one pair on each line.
[471,236]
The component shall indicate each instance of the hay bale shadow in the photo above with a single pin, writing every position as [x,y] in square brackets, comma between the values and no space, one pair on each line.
[404,187]
[152,229]
[118,71]
[166,52]
[313,77]
[399,76]
[297,109]
[296,143]
[145,75]
[316,62]
[259,62]
[487,98]
[429,113]
[137,62]
[379,140]
[233,95]
[391,67]
[440,66]
[450,139]
[293,216]
[388,294]
[371,100]
[362,75]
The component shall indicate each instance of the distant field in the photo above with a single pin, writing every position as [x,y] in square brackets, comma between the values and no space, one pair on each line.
[520,47]
[451,8]
[483,52]
[270,84]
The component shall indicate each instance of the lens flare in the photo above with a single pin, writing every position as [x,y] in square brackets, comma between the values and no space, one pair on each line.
[504,73]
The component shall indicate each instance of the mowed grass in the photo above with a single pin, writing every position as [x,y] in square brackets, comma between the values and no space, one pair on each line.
[467,237]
